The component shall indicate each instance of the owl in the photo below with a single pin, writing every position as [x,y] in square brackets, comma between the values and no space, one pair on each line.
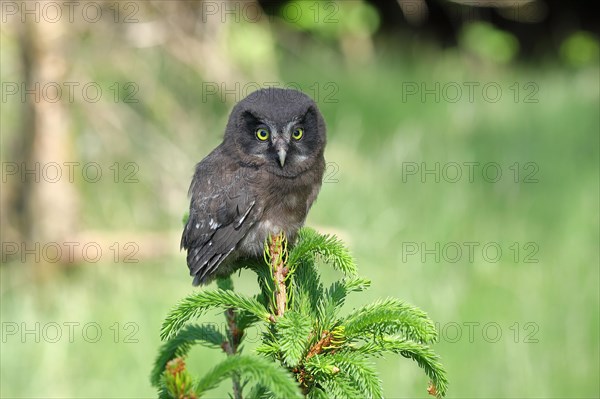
[261,180]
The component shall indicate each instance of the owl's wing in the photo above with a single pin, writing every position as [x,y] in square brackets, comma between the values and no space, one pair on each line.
[222,211]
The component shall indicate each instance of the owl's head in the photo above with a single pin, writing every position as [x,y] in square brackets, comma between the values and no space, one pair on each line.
[279,129]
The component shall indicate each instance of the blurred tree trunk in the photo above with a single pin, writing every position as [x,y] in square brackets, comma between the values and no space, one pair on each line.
[45,208]
[198,37]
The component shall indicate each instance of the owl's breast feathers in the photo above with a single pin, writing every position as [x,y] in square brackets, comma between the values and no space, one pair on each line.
[234,207]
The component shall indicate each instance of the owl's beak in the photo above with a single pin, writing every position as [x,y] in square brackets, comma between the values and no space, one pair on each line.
[281,153]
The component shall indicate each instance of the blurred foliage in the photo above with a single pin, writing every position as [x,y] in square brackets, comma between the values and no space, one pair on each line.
[489,43]
[374,130]
[332,20]
[579,49]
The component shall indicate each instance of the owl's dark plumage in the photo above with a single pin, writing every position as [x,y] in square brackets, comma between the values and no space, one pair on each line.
[262,179]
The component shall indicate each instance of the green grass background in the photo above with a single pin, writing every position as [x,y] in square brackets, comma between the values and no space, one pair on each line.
[373,134]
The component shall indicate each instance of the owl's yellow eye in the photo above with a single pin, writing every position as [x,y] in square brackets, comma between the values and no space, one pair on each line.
[297,133]
[262,134]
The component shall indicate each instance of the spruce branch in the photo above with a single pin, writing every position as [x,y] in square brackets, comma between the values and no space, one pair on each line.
[334,297]
[293,331]
[258,392]
[391,316]
[353,367]
[306,346]
[308,289]
[422,354]
[329,248]
[336,387]
[234,336]
[328,340]
[319,393]
[276,256]
[176,382]
[197,304]
[180,344]
[230,347]
[275,379]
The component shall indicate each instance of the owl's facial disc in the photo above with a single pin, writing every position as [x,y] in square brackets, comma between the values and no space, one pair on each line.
[285,140]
